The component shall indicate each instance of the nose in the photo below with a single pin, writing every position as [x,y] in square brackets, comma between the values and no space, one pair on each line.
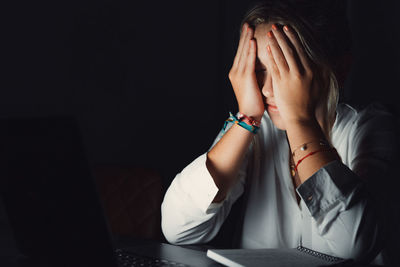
[267,89]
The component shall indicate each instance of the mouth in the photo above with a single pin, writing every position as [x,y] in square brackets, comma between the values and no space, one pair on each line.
[272,108]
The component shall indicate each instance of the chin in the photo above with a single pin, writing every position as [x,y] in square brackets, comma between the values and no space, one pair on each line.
[277,121]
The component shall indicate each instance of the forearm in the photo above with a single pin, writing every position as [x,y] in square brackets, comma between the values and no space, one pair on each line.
[344,220]
[226,157]
[299,133]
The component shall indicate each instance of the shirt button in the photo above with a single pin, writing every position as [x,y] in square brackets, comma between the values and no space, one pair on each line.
[309,198]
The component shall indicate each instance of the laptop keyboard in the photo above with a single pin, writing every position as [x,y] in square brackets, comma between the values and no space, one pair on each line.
[128,259]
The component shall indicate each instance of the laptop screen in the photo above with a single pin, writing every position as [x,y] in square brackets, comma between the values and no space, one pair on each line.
[49,194]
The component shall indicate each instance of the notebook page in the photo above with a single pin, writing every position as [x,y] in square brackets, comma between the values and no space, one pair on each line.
[265,257]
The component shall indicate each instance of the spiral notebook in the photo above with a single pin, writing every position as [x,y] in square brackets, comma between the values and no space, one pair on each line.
[289,257]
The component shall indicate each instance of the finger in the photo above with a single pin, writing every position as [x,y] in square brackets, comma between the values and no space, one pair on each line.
[287,48]
[271,65]
[277,54]
[241,41]
[251,58]
[245,51]
[293,37]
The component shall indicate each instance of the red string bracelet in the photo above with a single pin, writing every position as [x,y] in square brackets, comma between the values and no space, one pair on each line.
[309,154]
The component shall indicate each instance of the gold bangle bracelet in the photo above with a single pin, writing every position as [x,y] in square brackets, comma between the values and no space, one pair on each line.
[304,147]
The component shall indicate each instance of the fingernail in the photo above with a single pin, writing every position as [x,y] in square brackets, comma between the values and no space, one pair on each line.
[269,34]
[268,48]
[286,28]
[274,27]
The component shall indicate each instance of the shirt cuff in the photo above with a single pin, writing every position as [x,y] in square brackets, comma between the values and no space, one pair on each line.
[199,185]
[330,185]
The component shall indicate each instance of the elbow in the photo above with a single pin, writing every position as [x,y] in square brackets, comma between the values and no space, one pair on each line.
[180,230]
[360,240]
[171,231]
[182,223]
[364,249]
[170,235]
[176,229]
[175,235]
[183,234]
[367,241]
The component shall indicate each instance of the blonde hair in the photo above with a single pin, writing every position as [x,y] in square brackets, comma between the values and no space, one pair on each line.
[280,12]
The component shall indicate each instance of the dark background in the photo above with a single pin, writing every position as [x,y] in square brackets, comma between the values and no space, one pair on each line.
[147,80]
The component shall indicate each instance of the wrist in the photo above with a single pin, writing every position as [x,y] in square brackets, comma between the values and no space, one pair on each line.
[250,120]
[257,116]
[244,121]
[303,126]
[302,122]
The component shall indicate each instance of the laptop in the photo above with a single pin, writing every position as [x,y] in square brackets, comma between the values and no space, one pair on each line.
[52,204]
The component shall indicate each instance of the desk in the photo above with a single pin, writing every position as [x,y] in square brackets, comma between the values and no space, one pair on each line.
[140,244]
[195,255]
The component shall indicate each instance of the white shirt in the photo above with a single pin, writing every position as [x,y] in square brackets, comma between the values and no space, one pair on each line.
[335,216]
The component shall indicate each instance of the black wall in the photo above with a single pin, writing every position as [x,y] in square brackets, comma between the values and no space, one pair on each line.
[375,75]
[148,80]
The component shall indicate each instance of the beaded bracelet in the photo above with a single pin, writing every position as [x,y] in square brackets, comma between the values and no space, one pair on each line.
[250,127]
[248,120]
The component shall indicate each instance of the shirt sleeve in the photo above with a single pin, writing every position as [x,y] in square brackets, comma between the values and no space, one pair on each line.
[344,201]
[188,215]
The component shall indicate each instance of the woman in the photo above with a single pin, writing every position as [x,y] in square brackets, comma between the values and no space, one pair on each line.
[302,161]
